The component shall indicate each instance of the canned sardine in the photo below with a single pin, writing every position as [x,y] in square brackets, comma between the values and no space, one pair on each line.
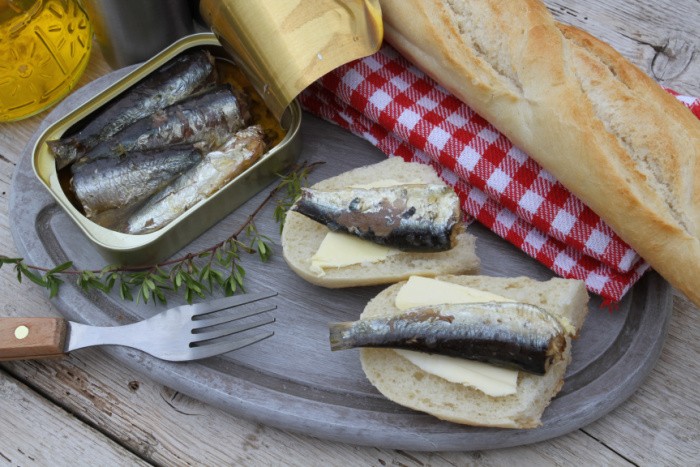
[159,157]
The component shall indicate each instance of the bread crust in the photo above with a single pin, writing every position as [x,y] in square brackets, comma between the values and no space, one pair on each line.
[602,127]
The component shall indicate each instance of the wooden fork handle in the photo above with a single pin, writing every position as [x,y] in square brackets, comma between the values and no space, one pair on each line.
[31,338]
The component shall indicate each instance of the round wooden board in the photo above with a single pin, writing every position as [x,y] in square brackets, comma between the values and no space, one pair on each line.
[293,381]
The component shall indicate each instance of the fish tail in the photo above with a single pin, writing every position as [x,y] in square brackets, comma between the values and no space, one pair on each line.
[339,338]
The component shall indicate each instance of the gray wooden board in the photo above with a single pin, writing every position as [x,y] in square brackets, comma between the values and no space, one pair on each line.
[292,380]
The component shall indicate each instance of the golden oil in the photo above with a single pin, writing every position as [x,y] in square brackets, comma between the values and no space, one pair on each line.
[229,73]
[44,49]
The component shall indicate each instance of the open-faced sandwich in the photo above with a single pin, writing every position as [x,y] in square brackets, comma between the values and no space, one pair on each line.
[474,350]
[378,224]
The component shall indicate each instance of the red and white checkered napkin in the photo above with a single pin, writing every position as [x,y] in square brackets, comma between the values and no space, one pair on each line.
[389,102]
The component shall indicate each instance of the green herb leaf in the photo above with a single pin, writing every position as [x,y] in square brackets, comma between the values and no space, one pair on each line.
[125,292]
[61,268]
[36,278]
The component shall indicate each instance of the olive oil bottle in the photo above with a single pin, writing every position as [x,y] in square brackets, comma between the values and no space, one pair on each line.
[44,49]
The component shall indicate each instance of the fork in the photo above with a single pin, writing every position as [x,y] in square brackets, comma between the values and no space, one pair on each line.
[182,333]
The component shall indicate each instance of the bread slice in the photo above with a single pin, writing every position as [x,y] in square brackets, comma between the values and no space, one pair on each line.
[402,382]
[301,237]
[604,129]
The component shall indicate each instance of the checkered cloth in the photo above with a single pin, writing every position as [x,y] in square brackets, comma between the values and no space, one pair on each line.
[389,102]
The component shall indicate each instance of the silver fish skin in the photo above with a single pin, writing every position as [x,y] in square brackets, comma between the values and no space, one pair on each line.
[182,76]
[216,169]
[205,120]
[126,180]
[509,334]
[410,217]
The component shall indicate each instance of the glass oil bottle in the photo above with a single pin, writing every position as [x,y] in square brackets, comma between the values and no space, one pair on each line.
[44,49]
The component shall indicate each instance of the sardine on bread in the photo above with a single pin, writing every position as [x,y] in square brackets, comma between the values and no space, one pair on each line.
[303,236]
[407,384]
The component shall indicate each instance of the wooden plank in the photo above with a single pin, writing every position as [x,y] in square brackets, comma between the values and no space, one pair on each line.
[35,431]
[165,427]
[661,38]
[657,425]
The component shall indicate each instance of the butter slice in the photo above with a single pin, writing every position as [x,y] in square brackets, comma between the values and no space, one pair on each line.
[489,379]
[338,250]
[423,291]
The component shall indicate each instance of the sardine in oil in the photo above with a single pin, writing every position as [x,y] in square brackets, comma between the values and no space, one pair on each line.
[44,49]
[227,72]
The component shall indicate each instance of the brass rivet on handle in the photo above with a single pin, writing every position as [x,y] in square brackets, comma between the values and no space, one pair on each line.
[21,332]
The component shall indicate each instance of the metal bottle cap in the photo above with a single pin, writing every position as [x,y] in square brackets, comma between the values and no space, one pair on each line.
[132,31]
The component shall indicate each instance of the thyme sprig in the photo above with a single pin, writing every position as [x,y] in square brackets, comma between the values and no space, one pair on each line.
[194,274]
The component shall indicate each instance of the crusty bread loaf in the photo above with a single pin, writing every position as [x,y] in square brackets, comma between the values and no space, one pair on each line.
[406,384]
[301,237]
[602,127]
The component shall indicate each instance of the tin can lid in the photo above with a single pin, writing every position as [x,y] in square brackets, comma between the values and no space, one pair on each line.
[283,46]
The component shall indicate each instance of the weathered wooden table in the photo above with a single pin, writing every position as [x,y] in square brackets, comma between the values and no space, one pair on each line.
[89,409]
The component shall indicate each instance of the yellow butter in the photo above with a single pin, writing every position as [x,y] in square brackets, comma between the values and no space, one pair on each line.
[338,250]
[491,380]
[423,291]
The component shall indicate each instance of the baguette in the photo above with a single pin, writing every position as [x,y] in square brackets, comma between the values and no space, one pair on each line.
[402,382]
[603,128]
[301,237]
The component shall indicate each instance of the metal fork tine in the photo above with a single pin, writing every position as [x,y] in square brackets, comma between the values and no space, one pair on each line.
[229,302]
[218,348]
[228,330]
[209,322]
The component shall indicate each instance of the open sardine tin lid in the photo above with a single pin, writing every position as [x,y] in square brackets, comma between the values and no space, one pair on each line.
[128,249]
[285,45]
